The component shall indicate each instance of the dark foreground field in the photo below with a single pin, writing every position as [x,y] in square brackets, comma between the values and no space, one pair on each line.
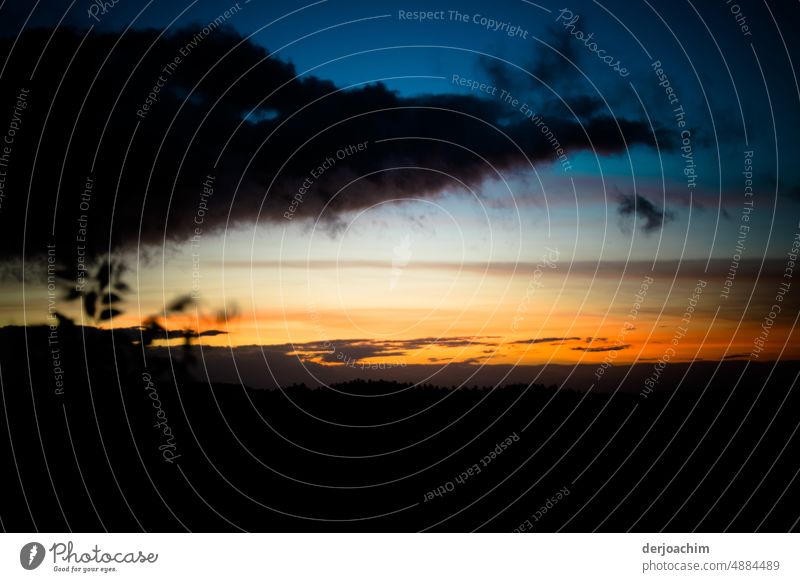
[129,448]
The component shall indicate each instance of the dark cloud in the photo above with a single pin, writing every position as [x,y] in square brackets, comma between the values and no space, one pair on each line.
[543,340]
[557,66]
[604,348]
[355,350]
[147,174]
[470,362]
[550,66]
[343,352]
[454,342]
[635,205]
[211,333]
[551,78]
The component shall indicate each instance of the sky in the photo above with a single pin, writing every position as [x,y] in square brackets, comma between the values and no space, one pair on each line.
[344,183]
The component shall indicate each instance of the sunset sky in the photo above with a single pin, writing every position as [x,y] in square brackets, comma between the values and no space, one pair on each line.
[455,234]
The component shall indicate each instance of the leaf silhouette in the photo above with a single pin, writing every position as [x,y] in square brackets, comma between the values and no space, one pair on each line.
[72,294]
[103,275]
[109,298]
[109,313]
[89,301]
[180,303]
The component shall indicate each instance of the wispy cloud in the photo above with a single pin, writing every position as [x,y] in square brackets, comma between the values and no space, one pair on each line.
[355,350]
[603,348]
[546,340]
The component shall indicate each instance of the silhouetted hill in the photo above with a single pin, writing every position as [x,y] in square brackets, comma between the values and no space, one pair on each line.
[368,455]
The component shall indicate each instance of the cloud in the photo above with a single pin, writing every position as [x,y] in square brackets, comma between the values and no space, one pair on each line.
[354,350]
[551,78]
[112,174]
[543,340]
[604,348]
[635,205]
[211,333]
[470,362]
